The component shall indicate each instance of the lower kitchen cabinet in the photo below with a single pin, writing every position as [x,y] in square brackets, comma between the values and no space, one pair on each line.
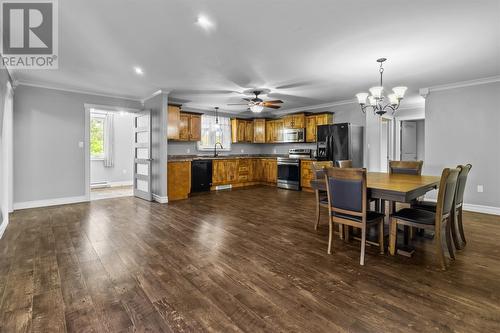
[307,172]
[179,180]
[224,171]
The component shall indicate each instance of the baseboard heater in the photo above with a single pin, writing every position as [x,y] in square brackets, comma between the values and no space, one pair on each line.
[99,185]
[223,187]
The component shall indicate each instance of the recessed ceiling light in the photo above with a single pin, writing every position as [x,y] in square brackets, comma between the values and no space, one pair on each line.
[138,70]
[204,22]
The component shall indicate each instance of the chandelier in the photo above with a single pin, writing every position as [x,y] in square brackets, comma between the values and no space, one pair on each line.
[377,101]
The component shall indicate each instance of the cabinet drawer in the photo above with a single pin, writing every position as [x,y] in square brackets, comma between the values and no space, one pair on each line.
[243,178]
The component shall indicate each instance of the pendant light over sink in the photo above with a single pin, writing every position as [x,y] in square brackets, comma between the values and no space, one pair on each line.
[216,125]
[377,101]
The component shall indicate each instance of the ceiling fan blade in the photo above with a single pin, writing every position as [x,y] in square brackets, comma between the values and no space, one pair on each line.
[277,101]
[246,99]
[237,104]
[272,106]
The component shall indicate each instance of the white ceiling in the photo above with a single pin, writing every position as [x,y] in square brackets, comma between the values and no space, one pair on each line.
[306,52]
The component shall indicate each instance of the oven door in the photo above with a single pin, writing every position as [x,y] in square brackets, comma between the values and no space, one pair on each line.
[289,175]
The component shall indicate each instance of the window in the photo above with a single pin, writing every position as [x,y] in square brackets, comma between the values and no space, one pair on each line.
[209,134]
[97,137]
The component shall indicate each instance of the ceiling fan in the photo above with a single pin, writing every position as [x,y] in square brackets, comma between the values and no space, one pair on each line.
[257,104]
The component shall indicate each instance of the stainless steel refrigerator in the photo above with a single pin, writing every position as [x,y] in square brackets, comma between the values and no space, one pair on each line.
[342,141]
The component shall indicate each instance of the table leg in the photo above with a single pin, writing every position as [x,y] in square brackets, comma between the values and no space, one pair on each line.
[394,231]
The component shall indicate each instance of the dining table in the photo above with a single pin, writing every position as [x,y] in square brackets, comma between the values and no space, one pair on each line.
[391,188]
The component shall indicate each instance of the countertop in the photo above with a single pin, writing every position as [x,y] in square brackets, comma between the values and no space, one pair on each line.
[188,158]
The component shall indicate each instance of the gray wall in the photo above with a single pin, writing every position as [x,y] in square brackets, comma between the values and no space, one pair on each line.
[159,116]
[420,139]
[48,125]
[463,126]
[4,186]
[123,166]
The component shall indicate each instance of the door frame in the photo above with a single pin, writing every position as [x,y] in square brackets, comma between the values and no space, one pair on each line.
[86,142]
[390,138]
[397,133]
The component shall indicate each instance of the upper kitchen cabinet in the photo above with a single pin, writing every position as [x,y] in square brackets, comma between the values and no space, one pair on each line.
[241,130]
[313,121]
[259,130]
[183,126]
[294,121]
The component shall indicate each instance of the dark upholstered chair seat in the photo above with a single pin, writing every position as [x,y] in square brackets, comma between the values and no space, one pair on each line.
[425,205]
[415,215]
[370,217]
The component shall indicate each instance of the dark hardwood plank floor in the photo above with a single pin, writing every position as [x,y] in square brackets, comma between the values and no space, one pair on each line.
[244,260]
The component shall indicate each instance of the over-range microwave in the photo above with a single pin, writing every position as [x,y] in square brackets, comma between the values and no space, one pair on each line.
[294,135]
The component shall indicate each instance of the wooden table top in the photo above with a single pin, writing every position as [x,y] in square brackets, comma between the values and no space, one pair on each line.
[393,187]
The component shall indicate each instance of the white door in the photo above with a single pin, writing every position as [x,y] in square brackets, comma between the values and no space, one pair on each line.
[142,155]
[408,141]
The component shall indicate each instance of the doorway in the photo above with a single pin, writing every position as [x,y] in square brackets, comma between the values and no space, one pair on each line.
[386,142]
[412,140]
[111,146]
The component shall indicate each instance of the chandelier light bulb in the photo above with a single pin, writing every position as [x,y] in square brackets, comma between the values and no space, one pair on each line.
[377,91]
[393,99]
[399,91]
[362,97]
[372,100]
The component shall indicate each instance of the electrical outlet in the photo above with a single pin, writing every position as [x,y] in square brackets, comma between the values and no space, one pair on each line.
[480,188]
[274,151]
[188,150]
[242,151]
[80,144]
[124,171]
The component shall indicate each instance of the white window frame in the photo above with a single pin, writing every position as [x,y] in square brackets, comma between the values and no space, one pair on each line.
[207,130]
[102,118]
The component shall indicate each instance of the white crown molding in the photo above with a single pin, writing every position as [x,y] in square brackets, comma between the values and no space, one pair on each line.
[78,91]
[49,202]
[461,84]
[156,93]
[109,108]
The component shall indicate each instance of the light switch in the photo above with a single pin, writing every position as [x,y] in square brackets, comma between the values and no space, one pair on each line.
[80,144]
[480,188]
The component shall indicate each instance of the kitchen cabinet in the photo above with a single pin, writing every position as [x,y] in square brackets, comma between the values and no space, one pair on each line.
[274,130]
[174,118]
[294,121]
[243,170]
[179,180]
[259,131]
[269,170]
[241,130]
[307,172]
[269,131]
[312,121]
[225,171]
[183,126]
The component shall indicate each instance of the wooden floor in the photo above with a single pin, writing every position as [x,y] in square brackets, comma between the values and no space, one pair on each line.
[245,260]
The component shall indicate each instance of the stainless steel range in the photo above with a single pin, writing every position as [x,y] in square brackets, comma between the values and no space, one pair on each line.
[289,168]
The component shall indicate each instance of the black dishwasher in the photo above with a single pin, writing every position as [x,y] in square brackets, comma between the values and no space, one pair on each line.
[201,175]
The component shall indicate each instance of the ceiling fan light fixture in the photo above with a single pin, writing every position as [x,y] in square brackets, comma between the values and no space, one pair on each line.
[256,108]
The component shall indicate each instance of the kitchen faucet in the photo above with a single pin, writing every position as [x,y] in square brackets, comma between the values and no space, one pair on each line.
[215,148]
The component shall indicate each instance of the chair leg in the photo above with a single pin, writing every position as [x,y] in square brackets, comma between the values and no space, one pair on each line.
[363,246]
[453,228]
[461,228]
[330,236]
[393,235]
[381,236]
[439,246]
[449,242]
[317,210]
[341,231]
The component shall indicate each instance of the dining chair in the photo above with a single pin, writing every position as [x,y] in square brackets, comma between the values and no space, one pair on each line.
[321,196]
[424,219]
[456,218]
[343,164]
[406,167]
[347,197]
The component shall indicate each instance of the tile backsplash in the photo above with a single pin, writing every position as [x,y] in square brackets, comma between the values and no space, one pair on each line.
[189,148]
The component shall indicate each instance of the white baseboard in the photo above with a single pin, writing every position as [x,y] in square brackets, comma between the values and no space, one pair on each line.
[482,209]
[476,208]
[3,227]
[49,202]
[160,199]
[119,184]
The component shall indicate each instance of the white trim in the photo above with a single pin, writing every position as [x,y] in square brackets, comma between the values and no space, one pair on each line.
[476,208]
[110,108]
[122,183]
[74,90]
[160,199]
[460,84]
[3,227]
[156,93]
[49,202]
[86,147]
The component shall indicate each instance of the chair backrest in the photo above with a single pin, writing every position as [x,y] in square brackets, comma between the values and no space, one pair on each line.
[346,189]
[344,164]
[406,167]
[446,193]
[462,179]
[318,169]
